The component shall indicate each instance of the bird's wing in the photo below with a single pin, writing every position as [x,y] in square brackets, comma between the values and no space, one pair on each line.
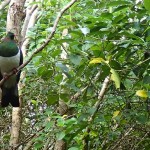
[20,63]
[1,76]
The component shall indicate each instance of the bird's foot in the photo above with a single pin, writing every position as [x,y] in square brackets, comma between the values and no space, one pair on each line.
[15,70]
[5,76]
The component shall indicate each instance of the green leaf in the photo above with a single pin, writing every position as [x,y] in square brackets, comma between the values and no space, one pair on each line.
[49,125]
[118,18]
[68,22]
[106,16]
[44,72]
[116,113]
[142,119]
[34,102]
[121,8]
[118,3]
[147,5]
[146,79]
[64,40]
[64,96]
[142,93]
[38,145]
[132,36]
[73,148]
[52,98]
[115,77]
[62,66]
[86,46]
[105,72]
[114,64]
[75,59]
[60,135]
[56,53]
[58,78]
[91,111]
[85,31]
[93,133]
[96,60]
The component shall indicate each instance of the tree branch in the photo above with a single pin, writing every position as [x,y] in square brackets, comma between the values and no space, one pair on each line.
[97,107]
[4,4]
[45,43]
[100,96]
[32,20]
[29,12]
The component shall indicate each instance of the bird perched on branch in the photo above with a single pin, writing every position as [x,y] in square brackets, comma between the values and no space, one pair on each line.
[10,58]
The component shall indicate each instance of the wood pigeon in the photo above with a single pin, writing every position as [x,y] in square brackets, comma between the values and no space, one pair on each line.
[10,58]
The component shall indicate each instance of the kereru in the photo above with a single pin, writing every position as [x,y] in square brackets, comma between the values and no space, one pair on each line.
[10,58]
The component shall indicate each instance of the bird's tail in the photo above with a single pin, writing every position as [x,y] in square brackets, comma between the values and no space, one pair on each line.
[10,95]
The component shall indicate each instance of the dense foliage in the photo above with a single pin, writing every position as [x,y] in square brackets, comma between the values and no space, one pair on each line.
[94,39]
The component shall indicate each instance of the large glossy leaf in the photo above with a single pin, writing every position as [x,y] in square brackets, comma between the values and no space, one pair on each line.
[142,93]
[115,65]
[115,77]
[96,60]
[116,113]
[75,59]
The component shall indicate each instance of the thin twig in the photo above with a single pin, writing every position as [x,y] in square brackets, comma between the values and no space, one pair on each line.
[100,97]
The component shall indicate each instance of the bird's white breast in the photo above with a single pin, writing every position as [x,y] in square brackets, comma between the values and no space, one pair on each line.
[7,64]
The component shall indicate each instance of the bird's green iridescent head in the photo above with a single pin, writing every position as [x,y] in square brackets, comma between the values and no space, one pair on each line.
[8,47]
[10,35]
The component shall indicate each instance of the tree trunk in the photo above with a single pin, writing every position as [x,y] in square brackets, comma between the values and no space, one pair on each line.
[14,20]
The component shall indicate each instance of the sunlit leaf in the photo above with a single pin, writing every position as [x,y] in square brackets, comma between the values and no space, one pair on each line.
[142,93]
[34,102]
[115,77]
[93,133]
[116,113]
[96,60]
[85,30]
